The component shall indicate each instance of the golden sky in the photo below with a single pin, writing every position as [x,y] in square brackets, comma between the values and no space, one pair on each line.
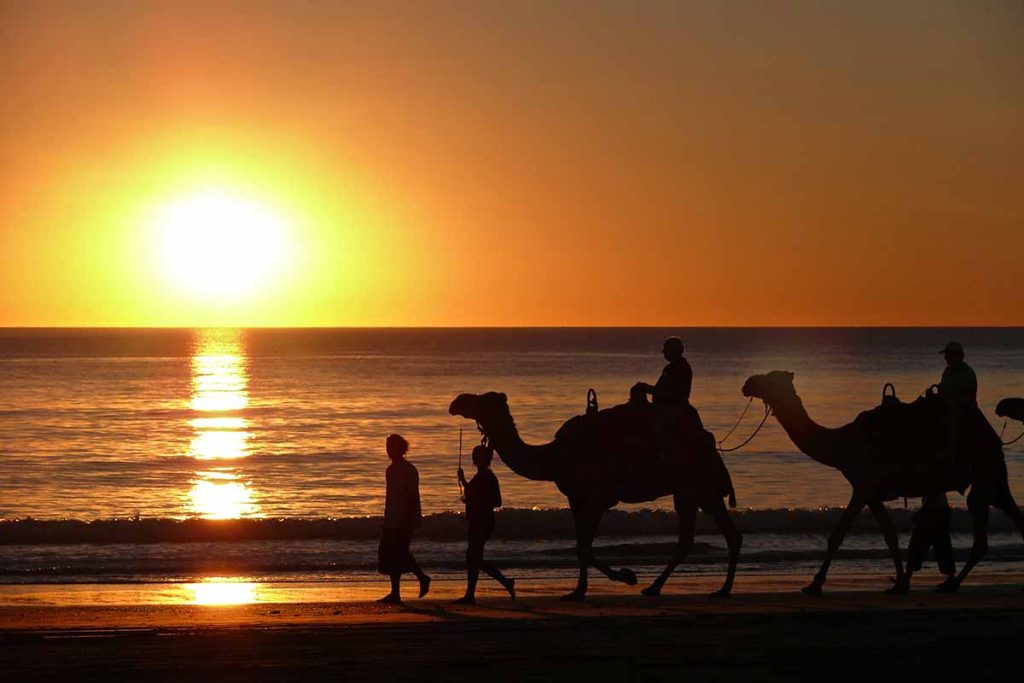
[512,163]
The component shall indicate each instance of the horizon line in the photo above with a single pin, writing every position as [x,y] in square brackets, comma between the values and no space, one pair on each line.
[508,327]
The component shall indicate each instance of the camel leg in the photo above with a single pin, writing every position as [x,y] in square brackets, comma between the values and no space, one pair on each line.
[686,512]
[586,518]
[853,509]
[979,518]
[902,585]
[1007,504]
[581,515]
[733,538]
[623,575]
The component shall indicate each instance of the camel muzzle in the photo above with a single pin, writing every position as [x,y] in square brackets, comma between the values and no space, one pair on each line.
[461,406]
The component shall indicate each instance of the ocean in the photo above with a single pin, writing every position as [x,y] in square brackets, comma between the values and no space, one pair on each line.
[275,426]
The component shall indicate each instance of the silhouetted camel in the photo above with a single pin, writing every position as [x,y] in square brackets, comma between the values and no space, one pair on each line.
[1012,408]
[601,460]
[874,480]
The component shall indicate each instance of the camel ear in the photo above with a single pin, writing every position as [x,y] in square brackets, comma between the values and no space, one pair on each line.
[790,376]
[503,397]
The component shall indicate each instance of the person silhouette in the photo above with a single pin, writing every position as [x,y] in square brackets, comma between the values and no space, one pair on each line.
[401,517]
[932,530]
[671,396]
[482,495]
[958,391]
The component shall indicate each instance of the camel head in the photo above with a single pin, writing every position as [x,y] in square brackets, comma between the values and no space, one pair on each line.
[490,409]
[1012,408]
[770,386]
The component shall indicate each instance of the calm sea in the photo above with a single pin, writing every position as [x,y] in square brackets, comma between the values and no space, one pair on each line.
[271,423]
[226,423]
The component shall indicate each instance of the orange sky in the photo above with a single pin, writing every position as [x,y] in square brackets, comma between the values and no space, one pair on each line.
[521,163]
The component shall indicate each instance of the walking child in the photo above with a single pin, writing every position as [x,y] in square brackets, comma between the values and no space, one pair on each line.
[482,495]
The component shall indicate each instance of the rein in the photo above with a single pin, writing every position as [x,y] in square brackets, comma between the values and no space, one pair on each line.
[767,413]
[1012,441]
[738,420]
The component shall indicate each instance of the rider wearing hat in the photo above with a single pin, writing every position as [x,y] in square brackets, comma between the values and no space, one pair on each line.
[958,391]
[959,384]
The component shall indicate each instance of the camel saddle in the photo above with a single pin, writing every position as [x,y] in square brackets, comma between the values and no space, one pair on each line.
[916,435]
[631,425]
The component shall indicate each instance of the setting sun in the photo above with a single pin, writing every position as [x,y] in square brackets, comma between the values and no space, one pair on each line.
[218,245]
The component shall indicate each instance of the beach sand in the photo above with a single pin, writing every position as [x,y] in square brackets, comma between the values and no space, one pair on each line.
[773,633]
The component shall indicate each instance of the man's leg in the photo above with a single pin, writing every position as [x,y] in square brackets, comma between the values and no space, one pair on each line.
[941,540]
[474,558]
[424,580]
[395,596]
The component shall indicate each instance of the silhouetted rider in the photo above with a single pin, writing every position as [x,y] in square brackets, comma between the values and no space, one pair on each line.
[959,385]
[671,395]
[958,391]
[676,381]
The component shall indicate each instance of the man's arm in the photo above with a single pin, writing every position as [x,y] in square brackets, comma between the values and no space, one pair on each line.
[414,497]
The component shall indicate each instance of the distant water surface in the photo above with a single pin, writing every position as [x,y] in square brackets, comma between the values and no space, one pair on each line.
[291,423]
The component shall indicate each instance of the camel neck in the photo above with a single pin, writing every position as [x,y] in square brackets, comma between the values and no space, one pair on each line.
[812,439]
[533,462]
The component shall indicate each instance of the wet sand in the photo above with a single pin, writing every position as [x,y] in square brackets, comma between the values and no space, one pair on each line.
[770,634]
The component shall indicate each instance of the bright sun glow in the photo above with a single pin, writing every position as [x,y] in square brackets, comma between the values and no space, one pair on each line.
[220,496]
[217,244]
[218,591]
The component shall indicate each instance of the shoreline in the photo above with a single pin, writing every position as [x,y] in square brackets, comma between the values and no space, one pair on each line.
[214,595]
[774,634]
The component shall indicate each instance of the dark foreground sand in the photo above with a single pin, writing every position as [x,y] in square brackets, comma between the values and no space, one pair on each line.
[847,634]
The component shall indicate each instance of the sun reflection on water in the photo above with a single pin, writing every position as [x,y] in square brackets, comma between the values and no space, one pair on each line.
[219,495]
[219,392]
[220,591]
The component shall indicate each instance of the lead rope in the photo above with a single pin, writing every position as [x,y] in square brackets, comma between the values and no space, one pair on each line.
[740,419]
[462,494]
[767,412]
[1008,443]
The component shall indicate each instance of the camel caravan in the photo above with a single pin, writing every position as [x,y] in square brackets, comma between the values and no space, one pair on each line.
[645,449]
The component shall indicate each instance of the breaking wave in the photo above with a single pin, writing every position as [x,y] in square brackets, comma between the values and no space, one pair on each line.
[513,524]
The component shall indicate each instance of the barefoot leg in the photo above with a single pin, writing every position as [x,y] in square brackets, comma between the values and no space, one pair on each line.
[979,518]
[1007,504]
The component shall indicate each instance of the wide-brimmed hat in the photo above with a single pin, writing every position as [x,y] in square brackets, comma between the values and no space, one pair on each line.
[953,347]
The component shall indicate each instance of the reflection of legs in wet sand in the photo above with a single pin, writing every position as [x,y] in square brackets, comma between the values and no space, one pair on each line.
[394,559]
[475,562]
